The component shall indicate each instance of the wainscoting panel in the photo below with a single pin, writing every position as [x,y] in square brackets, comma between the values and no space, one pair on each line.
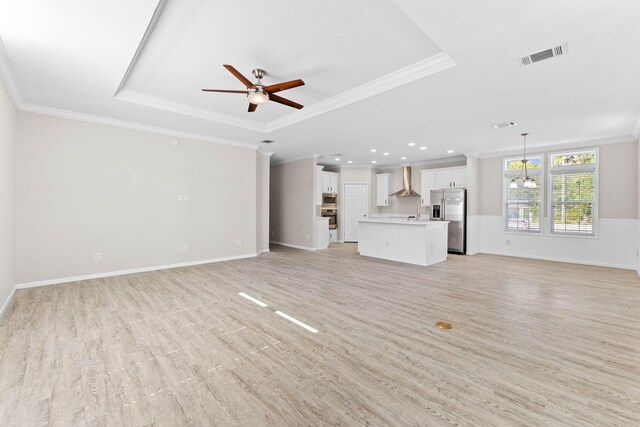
[616,244]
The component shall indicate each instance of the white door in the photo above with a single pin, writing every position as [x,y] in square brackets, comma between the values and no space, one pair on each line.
[459,177]
[443,179]
[326,182]
[382,189]
[334,183]
[355,204]
[427,183]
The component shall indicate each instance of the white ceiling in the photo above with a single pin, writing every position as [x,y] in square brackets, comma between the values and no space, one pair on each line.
[437,73]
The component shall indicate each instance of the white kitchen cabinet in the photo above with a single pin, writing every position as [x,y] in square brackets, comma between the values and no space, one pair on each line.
[383,183]
[329,182]
[318,185]
[427,183]
[459,177]
[451,177]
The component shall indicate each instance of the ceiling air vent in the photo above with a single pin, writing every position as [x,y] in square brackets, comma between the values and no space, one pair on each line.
[267,141]
[544,54]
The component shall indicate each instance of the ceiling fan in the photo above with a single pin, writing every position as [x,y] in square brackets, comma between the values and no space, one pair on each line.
[257,93]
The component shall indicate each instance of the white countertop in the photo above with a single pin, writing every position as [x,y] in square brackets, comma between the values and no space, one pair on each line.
[402,221]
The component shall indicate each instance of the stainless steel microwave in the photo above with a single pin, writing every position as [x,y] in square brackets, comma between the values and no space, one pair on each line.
[329,200]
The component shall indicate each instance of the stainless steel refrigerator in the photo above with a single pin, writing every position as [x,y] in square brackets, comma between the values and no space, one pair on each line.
[450,205]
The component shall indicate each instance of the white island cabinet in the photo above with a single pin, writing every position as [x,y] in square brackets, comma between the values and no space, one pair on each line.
[413,242]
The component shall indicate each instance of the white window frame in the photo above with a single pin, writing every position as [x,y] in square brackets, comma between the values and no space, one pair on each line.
[591,167]
[539,174]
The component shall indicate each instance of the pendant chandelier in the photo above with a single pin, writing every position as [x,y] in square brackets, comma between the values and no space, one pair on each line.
[527,181]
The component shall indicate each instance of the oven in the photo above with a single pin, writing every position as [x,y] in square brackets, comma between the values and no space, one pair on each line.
[329,200]
[332,214]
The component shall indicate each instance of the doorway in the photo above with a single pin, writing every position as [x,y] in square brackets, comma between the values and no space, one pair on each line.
[356,207]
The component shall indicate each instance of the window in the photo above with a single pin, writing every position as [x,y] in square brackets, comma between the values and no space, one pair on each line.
[573,192]
[522,205]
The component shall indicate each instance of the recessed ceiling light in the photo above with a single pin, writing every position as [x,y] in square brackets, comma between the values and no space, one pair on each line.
[423,148]
[373,161]
[503,125]
[385,154]
[411,144]
[403,158]
[350,161]
[449,151]
[373,150]
[337,159]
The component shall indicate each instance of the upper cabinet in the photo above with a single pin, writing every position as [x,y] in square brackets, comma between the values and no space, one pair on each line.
[436,179]
[459,177]
[451,177]
[383,183]
[427,183]
[329,182]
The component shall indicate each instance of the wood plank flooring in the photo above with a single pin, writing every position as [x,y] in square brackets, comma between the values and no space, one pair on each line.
[533,343]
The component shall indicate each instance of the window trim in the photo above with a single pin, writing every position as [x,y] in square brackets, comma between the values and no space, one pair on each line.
[535,172]
[589,167]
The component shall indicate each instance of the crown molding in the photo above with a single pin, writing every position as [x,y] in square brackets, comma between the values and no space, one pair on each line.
[6,75]
[413,72]
[73,115]
[157,13]
[140,98]
[265,153]
[294,159]
[556,145]
[636,129]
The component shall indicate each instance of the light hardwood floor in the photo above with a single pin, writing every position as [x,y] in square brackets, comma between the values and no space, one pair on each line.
[533,343]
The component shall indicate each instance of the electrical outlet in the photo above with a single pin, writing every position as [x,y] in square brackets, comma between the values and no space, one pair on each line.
[307,237]
[386,244]
[508,242]
[178,248]
[97,256]
[273,232]
[185,248]
[185,197]
[238,242]
[179,197]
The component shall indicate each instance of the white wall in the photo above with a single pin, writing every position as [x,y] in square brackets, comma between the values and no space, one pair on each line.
[84,188]
[262,201]
[7,198]
[292,204]
[617,242]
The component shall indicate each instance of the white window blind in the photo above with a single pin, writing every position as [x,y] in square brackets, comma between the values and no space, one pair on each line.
[573,199]
[573,192]
[522,206]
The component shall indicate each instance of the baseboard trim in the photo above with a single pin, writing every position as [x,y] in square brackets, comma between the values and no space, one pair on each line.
[566,261]
[263,251]
[306,248]
[129,271]
[7,301]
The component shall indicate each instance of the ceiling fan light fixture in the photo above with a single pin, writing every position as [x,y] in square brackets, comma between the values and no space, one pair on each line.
[258,97]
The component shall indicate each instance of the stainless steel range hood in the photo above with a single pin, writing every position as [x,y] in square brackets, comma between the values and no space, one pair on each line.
[406,191]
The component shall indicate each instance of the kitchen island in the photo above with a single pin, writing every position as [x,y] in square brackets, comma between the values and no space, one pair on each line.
[421,242]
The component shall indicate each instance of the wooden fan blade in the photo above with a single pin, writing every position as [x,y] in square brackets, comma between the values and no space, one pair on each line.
[252,107]
[245,81]
[225,91]
[283,86]
[284,101]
